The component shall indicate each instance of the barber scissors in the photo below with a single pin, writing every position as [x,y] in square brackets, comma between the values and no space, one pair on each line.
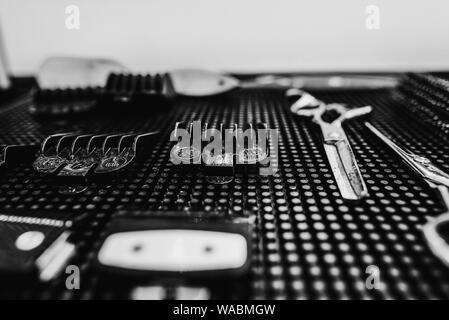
[336,144]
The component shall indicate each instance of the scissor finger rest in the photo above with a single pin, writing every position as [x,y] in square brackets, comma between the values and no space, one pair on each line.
[357,112]
[435,241]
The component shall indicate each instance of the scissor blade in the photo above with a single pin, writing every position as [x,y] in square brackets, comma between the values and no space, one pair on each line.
[346,171]
[352,169]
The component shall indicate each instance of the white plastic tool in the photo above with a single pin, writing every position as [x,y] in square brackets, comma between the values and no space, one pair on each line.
[174,250]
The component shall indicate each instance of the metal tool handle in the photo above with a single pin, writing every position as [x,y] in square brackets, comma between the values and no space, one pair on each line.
[436,243]
[431,172]
[421,165]
[357,112]
[304,104]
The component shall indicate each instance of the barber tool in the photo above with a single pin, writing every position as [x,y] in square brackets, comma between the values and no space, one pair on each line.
[75,157]
[68,86]
[34,244]
[217,160]
[72,72]
[63,102]
[435,178]
[436,231]
[426,96]
[68,72]
[200,83]
[186,151]
[219,150]
[195,82]
[140,89]
[100,79]
[329,117]
[115,158]
[327,82]
[193,245]
[81,160]
[252,145]
[54,153]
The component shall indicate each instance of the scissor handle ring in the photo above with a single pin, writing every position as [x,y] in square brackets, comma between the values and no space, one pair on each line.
[436,243]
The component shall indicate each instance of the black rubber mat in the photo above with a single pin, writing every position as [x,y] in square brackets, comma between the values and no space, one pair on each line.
[308,242]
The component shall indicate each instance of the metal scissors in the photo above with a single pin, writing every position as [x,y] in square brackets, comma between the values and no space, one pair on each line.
[336,144]
[435,178]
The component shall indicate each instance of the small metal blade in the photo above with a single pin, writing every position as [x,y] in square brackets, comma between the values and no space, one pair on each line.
[346,172]
[352,170]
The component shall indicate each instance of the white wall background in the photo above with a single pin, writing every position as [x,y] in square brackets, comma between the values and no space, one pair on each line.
[232,35]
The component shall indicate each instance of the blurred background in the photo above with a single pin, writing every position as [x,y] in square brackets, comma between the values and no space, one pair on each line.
[231,35]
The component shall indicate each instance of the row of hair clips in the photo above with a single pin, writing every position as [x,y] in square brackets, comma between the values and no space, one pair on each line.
[234,148]
[76,156]
[119,88]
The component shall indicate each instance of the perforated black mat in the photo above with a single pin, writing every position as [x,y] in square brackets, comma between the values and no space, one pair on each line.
[308,242]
